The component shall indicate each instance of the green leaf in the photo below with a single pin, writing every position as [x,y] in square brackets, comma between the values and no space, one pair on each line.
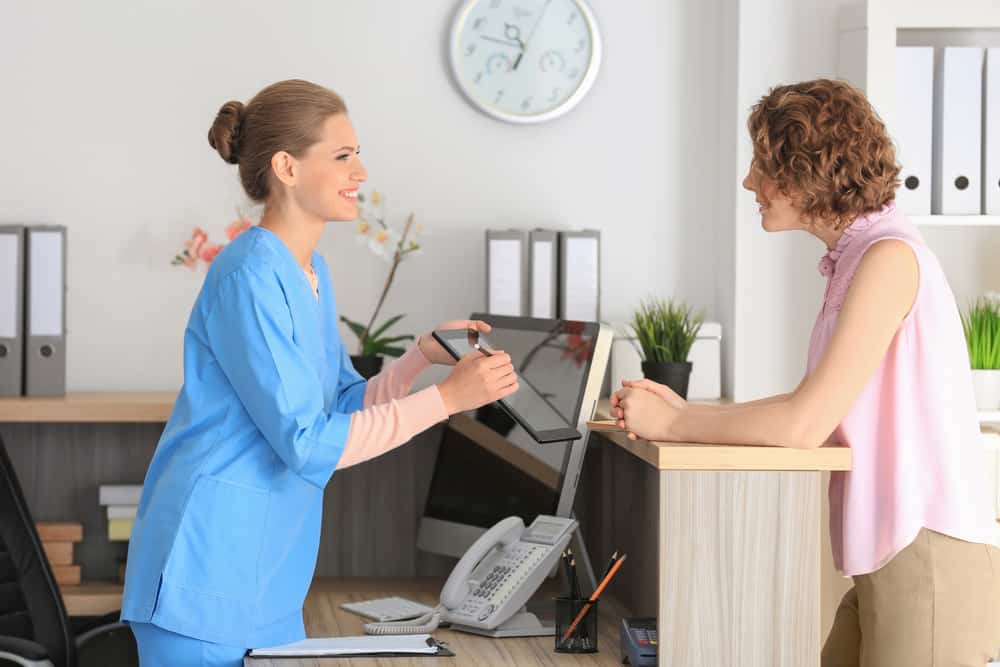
[394,339]
[382,329]
[358,329]
[393,351]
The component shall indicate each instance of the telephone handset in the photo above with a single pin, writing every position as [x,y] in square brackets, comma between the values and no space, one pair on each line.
[495,578]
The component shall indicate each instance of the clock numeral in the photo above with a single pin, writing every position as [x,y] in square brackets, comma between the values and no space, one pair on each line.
[520,13]
[498,97]
[555,95]
[526,103]
[470,49]
[572,19]
[478,23]
[573,73]
[580,45]
[494,4]
[479,77]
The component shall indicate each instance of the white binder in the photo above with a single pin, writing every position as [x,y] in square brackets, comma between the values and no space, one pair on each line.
[580,276]
[45,314]
[991,147]
[11,310]
[958,140]
[915,127]
[507,272]
[544,278]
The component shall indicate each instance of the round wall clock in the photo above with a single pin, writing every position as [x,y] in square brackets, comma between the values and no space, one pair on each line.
[525,61]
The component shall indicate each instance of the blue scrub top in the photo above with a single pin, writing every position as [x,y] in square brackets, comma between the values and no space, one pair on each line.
[224,544]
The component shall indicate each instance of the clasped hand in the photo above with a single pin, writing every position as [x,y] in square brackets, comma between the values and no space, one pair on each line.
[646,409]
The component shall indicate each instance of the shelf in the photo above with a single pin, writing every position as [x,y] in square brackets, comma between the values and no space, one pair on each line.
[956,220]
[148,407]
[989,416]
[92,598]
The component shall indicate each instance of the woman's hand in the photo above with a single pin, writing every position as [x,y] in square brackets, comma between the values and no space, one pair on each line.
[661,390]
[478,380]
[645,414]
[432,350]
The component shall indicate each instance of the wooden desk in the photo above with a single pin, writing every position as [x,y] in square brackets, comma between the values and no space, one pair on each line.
[736,546]
[324,618]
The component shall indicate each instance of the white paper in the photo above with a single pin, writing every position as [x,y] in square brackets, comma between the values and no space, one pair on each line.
[505,277]
[351,646]
[9,285]
[581,279]
[541,279]
[45,285]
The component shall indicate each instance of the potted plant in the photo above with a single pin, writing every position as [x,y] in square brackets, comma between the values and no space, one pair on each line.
[666,331]
[982,335]
[374,342]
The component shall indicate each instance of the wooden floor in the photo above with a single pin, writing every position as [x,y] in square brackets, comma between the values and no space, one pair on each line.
[324,617]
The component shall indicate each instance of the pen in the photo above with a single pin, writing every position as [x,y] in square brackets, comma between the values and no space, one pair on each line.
[593,598]
[473,337]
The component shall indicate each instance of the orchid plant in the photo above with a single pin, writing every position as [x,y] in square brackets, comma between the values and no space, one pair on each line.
[394,247]
[198,248]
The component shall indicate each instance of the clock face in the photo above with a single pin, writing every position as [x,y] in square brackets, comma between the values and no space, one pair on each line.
[525,60]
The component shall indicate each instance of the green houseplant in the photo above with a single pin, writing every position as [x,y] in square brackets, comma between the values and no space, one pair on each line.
[666,331]
[981,323]
[374,341]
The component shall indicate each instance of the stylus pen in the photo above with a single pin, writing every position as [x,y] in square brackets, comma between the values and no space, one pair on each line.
[473,336]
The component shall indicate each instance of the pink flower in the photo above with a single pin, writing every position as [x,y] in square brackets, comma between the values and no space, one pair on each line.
[209,251]
[237,228]
[198,238]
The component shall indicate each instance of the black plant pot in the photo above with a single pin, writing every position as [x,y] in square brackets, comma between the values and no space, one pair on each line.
[496,418]
[674,375]
[367,366]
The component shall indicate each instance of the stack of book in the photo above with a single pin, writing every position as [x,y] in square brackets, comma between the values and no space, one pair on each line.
[122,501]
[58,539]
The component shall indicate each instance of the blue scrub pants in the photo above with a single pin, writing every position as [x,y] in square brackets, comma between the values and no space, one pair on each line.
[162,648]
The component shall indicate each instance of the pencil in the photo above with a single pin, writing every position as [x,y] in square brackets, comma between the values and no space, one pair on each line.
[593,598]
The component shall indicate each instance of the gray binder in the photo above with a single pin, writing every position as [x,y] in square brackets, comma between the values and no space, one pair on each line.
[45,311]
[580,276]
[507,272]
[11,310]
[543,296]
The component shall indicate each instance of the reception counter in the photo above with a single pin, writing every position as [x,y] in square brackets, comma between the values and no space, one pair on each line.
[733,534]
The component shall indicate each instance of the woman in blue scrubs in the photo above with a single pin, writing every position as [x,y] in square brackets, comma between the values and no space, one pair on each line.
[225,540]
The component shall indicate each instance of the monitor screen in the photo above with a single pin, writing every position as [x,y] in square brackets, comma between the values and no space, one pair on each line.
[488,466]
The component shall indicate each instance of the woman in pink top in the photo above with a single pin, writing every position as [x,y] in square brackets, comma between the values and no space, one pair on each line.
[888,375]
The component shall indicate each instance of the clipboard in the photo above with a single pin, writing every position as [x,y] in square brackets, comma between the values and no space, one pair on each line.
[442,652]
[604,425]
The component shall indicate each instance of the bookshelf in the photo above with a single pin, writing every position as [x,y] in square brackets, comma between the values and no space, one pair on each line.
[90,407]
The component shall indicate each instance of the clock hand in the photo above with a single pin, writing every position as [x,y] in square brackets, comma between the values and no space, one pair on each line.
[513,32]
[524,46]
[501,41]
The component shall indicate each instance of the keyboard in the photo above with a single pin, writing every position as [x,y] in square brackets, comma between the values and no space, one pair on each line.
[387,609]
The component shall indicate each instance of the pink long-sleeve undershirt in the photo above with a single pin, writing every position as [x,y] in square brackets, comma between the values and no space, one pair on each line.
[390,417]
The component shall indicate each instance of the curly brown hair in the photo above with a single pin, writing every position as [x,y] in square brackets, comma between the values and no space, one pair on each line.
[824,146]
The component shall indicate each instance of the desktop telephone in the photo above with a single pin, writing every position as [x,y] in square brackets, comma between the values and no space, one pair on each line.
[487,590]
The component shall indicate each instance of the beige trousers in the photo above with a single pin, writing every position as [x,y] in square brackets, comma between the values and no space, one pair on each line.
[936,604]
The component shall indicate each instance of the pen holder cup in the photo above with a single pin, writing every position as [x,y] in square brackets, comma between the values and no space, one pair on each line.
[583,638]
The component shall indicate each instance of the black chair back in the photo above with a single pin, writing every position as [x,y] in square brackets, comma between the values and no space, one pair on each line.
[31,606]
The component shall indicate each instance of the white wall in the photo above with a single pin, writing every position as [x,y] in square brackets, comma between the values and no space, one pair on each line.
[106,112]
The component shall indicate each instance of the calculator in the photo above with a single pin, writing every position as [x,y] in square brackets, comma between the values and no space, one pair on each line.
[638,641]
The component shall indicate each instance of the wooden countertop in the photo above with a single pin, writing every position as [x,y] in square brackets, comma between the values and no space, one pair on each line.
[150,407]
[696,456]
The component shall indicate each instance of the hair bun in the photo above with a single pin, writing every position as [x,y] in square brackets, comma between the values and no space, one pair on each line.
[224,135]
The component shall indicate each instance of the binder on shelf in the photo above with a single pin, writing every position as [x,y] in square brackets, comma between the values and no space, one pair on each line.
[991,126]
[915,94]
[507,272]
[119,494]
[11,310]
[45,313]
[60,531]
[580,276]
[543,248]
[958,139]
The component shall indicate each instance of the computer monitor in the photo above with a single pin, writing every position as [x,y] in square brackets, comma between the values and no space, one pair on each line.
[488,467]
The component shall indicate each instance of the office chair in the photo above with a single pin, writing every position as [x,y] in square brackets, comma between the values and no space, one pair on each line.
[34,627]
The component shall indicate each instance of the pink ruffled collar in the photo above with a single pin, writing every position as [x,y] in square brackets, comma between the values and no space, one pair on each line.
[828,263]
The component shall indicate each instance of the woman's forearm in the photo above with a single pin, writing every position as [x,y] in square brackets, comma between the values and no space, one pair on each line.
[716,408]
[772,421]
